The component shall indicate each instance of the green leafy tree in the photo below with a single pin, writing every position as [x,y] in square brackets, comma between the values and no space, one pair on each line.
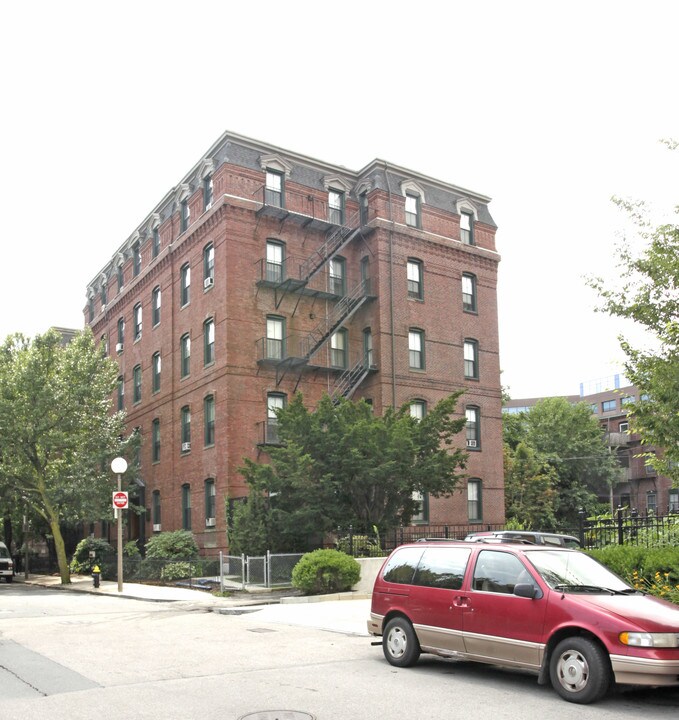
[341,464]
[570,439]
[57,431]
[647,293]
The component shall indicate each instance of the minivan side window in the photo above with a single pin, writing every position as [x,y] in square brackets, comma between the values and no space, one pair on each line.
[401,566]
[498,572]
[442,568]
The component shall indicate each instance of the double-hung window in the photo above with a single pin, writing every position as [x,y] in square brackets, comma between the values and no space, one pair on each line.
[473,427]
[121,393]
[155,372]
[416,349]
[413,210]
[137,318]
[155,511]
[185,355]
[186,428]
[338,348]
[275,334]
[155,306]
[273,191]
[468,292]
[185,284]
[368,359]
[471,359]
[414,271]
[336,276]
[136,259]
[210,504]
[209,419]
[186,506]
[121,277]
[474,506]
[336,207]
[418,409]
[155,441]
[208,190]
[467,228]
[275,402]
[155,242]
[208,342]
[184,215]
[275,257]
[136,384]
[208,266]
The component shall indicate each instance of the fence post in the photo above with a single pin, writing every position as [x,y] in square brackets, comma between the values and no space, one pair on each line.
[267,569]
[619,518]
[351,541]
[242,571]
[221,572]
[581,522]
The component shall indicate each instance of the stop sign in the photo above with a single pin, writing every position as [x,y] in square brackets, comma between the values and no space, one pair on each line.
[120,500]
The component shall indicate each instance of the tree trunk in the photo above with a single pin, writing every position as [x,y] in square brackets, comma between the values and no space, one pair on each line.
[60,548]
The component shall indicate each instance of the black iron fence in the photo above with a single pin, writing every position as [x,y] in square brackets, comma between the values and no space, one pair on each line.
[629,528]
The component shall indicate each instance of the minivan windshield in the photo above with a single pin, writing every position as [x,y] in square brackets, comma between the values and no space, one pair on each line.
[571,571]
[4,552]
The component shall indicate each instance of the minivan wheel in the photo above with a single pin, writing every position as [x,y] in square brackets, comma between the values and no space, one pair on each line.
[399,643]
[580,670]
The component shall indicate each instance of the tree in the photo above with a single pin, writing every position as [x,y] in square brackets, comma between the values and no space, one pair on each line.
[569,440]
[341,465]
[57,431]
[648,294]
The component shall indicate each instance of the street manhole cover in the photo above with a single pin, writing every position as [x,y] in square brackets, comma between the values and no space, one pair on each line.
[278,715]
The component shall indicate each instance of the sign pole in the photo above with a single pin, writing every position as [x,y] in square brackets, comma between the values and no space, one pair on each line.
[119,465]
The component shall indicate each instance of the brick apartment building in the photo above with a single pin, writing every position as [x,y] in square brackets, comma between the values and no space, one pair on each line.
[640,489]
[264,272]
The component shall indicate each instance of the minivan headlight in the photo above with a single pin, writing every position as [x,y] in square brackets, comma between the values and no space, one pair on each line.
[654,640]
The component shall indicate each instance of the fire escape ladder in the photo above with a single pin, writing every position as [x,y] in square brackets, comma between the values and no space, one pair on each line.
[349,380]
[335,241]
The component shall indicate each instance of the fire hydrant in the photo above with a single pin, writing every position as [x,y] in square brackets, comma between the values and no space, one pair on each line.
[96,575]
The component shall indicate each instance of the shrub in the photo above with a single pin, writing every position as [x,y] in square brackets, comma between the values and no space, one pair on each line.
[179,545]
[176,571]
[325,571]
[104,557]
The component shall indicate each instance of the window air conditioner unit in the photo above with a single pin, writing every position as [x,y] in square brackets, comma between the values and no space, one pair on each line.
[186,446]
[208,282]
[208,206]
[119,347]
[156,527]
[210,522]
[103,308]
[471,443]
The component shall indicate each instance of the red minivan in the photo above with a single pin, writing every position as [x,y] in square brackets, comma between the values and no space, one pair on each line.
[553,611]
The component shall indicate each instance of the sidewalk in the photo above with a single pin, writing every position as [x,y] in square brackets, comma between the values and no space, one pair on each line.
[168,593]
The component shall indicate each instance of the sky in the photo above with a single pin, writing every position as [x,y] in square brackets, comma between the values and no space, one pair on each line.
[548,108]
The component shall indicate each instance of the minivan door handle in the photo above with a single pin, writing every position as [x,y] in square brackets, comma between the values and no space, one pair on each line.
[461,601]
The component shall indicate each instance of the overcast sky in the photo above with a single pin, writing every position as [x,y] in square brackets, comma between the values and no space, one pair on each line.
[549,108]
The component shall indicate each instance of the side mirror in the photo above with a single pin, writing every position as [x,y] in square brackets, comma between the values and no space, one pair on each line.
[527,590]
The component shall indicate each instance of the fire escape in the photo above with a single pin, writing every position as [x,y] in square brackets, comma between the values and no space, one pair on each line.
[294,353]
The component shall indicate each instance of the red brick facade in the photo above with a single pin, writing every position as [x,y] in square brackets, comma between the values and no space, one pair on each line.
[238,224]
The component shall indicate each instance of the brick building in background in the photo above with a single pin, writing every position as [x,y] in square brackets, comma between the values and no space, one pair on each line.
[640,488]
[265,272]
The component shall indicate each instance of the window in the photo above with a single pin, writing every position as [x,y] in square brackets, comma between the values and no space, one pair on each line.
[363,208]
[274,403]
[186,428]
[468,292]
[336,207]
[186,506]
[121,277]
[155,372]
[210,504]
[208,266]
[418,409]
[90,309]
[414,272]
[155,306]
[421,513]
[121,333]
[136,317]
[136,259]
[155,440]
[627,400]
[673,500]
[594,407]
[273,193]
[155,242]
[471,359]
[368,360]
[623,427]
[400,567]
[467,228]
[185,284]
[651,502]
[474,508]
[416,349]
[275,331]
[497,572]
[184,215]
[208,342]
[185,347]
[442,568]
[208,190]
[104,296]
[121,393]
[473,427]
[413,210]
[155,510]
[336,276]
[136,383]
[608,406]
[338,349]
[274,261]
[209,419]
